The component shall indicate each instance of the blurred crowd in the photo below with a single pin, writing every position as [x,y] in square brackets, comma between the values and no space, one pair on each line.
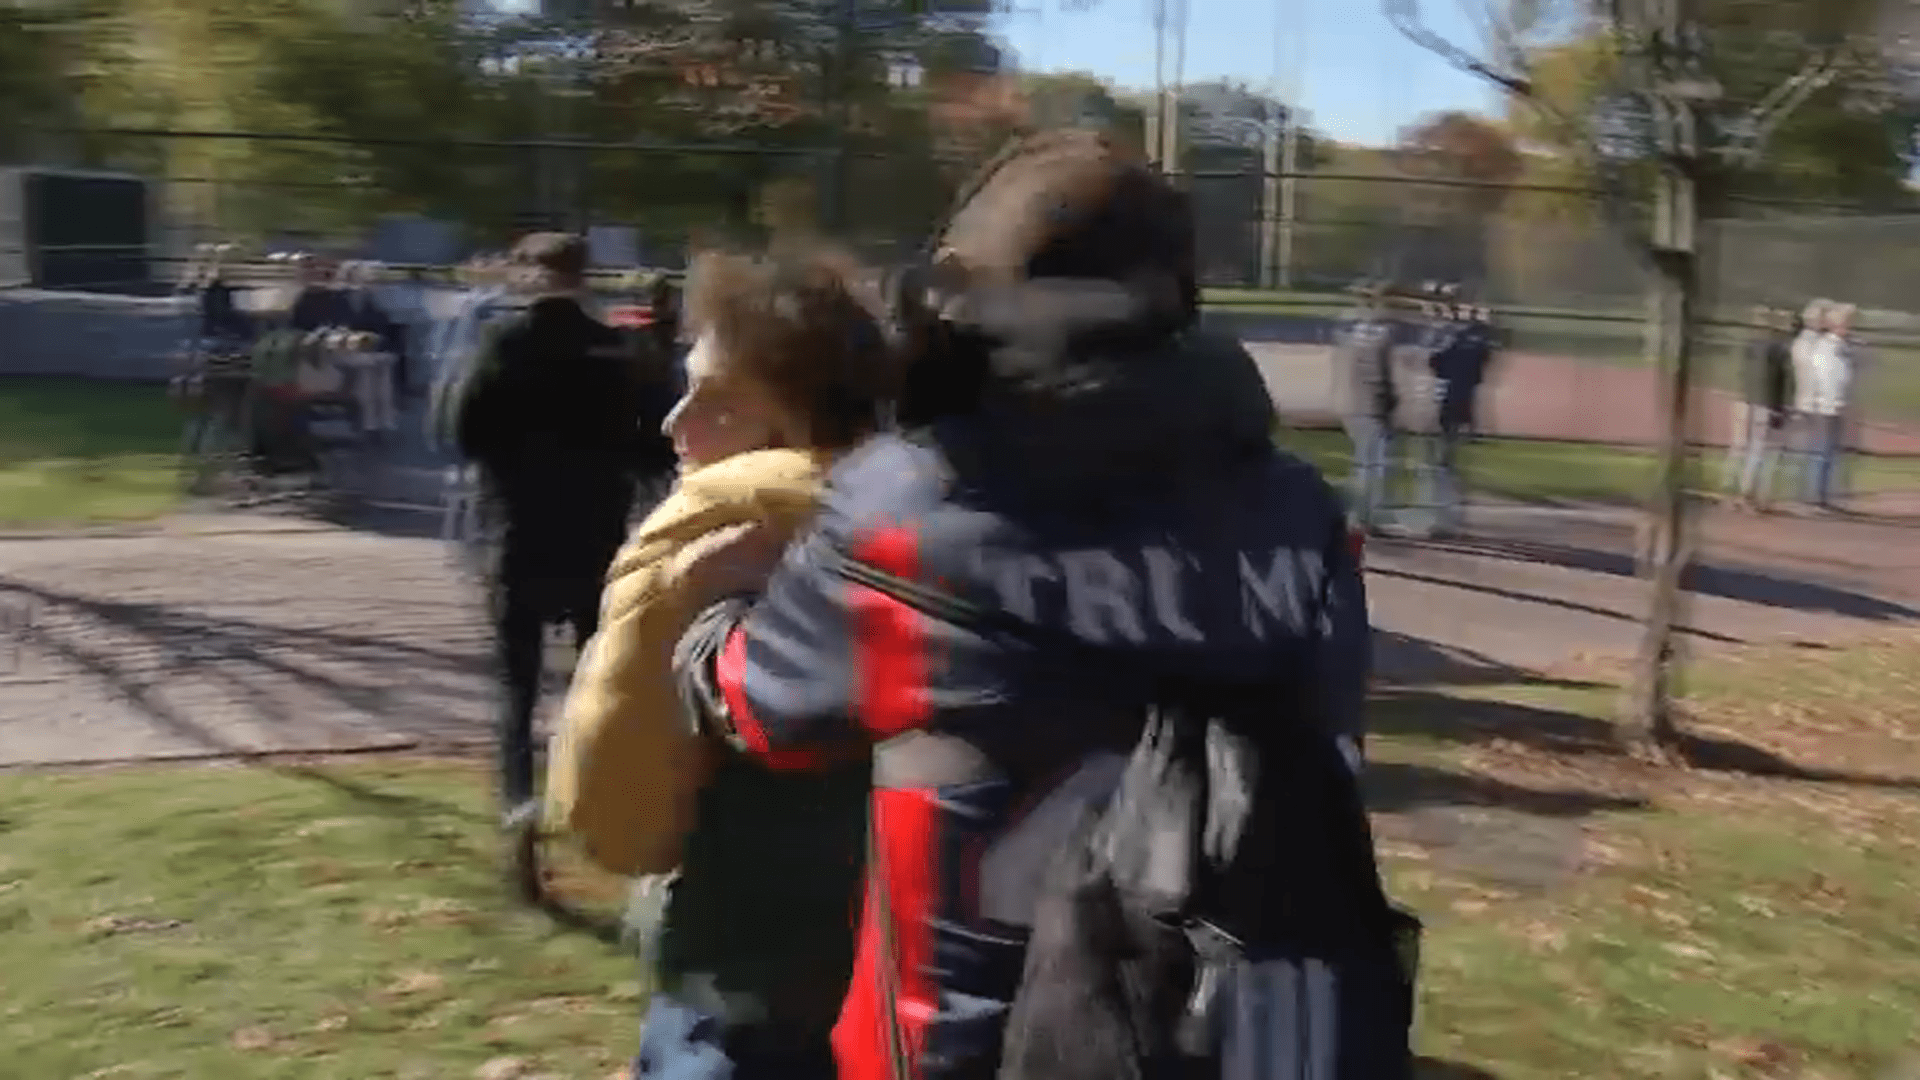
[1395,346]
[1794,406]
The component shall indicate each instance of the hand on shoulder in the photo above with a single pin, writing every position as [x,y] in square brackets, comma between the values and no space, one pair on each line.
[733,560]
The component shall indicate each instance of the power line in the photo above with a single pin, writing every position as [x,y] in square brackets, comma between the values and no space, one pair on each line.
[429,142]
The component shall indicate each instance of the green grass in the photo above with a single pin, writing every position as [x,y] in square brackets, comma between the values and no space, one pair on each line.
[1532,471]
[225,922]
[1736,925]
[342,920]
[79,451]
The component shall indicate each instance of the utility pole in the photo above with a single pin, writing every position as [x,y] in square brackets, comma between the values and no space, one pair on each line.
[1163,123]
[1157,118]
[1289,195]
[1272,164]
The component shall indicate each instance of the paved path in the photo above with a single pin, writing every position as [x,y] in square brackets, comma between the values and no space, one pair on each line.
[234,634]
[1535,588]
[183,644]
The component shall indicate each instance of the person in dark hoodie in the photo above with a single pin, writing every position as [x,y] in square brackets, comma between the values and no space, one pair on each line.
[1458,364]
[1073,451]
[559,418]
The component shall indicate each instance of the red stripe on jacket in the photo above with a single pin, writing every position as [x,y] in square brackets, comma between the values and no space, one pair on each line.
[907,836]
[890,669]
[890,658]
[729,670]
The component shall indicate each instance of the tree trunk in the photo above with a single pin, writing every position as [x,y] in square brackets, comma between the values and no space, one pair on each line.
[1648,729]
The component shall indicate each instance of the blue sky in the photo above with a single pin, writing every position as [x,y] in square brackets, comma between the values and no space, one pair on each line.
[1359,80]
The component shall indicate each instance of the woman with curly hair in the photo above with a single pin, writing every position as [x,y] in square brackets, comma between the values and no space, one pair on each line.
[760,869]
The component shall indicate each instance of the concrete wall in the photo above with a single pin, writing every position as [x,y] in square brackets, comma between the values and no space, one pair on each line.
[94,335]
[106,336]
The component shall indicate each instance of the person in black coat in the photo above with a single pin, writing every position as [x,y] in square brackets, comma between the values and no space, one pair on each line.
[1767,399]
[1458,363]
[363,312]
[563,423]
[319,304]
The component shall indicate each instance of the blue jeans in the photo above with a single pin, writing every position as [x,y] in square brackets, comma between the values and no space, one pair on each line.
[1819,457]
[1372,439]
[682,1042]
[1443,493]
[1759,454]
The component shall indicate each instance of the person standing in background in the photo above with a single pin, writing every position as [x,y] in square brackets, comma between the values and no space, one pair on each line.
[1760,417]
[1363,348]
[1458,362]
[1822,376]
[366,314]
[318,305]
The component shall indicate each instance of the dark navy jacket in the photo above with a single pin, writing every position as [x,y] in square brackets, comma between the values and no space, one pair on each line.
[1459,364]
[1131,497]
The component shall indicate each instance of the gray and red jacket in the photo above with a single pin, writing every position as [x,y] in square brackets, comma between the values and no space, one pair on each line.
[1132,499]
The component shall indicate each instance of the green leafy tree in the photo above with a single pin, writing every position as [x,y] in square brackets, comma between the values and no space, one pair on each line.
[1851,142]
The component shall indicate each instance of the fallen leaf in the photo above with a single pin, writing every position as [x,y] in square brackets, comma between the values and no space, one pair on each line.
[415,982]
[252,1038]
[502,1068]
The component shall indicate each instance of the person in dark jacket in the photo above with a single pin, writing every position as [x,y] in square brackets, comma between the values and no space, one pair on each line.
[319,304]
[220,315]
[1364,344]
[1760,418]
[562,425]
[1075,452]
[363,311]
[1458,363]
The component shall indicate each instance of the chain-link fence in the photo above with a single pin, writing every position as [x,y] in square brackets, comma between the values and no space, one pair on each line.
[1568,292]
[96,294]
[1567,289]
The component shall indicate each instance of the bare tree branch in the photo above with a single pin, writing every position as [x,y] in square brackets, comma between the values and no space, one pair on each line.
[1614,201]
[1405,16]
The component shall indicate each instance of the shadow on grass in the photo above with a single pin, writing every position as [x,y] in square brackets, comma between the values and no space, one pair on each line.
[242,657]
[601,928]
[1397,787]
[1535,598]
[1761,587]
[1409,661]
[1430,714]
[1426,1068]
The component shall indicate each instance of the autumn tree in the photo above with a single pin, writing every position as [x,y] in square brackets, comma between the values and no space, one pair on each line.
[1447,223]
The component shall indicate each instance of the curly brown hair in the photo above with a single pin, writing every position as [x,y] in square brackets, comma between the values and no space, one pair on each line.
[804,322]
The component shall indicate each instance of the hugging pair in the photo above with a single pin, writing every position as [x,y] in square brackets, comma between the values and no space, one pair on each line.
[1035,427]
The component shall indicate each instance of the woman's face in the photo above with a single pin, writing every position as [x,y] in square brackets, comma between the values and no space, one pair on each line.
[723,413]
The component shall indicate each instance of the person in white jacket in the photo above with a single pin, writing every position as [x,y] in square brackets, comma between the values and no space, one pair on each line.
[1823,377]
